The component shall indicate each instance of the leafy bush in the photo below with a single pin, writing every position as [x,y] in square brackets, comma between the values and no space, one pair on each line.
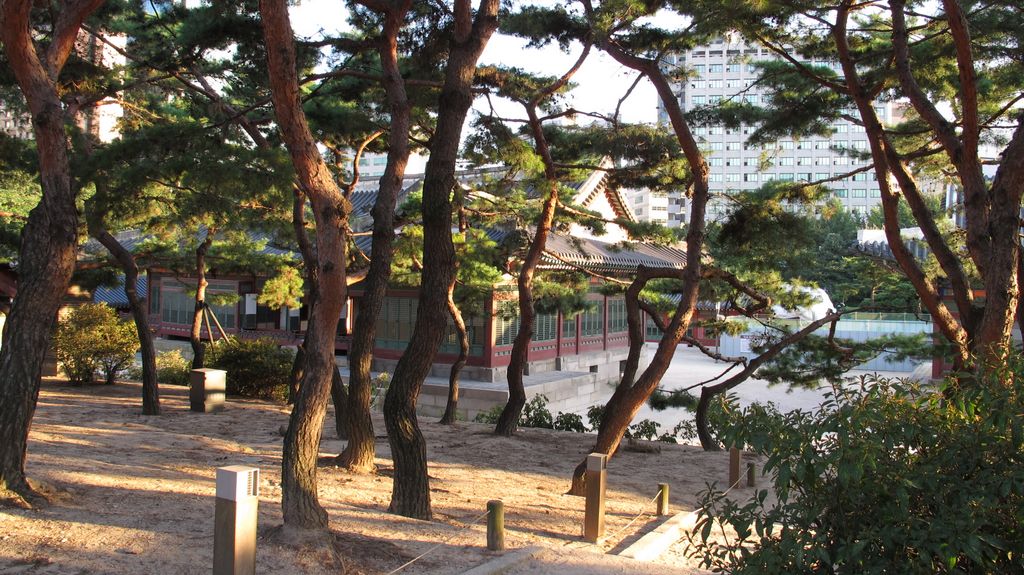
[884,477]
[256,368]
[570,422]
[595,413]
[536,414]
[92,338]
[644,429]
[490,416]
[171,368]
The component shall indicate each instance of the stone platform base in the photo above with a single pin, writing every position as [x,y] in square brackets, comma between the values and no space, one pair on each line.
[570,384]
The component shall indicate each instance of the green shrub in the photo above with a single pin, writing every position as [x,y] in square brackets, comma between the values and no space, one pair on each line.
[171,368]
[595,413]
[644,429]
[490,416]
[256,368]
[883,477]
[570,422]
[92,338]
[536,414]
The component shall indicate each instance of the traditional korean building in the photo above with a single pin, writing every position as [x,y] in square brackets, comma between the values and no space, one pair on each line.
[593,342]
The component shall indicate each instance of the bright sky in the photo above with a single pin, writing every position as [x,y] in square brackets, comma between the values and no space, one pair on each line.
[600,83]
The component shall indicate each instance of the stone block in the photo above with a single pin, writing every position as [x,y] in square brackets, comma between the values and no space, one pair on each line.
[207,389]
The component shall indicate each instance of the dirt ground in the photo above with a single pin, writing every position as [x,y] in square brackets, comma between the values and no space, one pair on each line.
[136,494]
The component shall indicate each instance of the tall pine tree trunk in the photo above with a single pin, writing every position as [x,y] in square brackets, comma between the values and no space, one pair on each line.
[300,505]
[359,453]
[628,399]
[410,494]
[150,385]
[47,254]
[195,337]
[509,418]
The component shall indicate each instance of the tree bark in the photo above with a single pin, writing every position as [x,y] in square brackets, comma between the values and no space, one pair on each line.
[47,253]
[509,418]
[952,329]
[195,337]
[991,210]
[300,505]
[410,494]
[150,385]
[451,408]
[360,452]
[627,399]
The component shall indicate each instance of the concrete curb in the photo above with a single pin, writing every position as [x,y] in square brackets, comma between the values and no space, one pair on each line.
[507,561]
[655,543]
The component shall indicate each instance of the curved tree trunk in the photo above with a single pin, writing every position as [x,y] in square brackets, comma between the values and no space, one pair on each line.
[195,336]
[951,328]
[451,413]
[47,254]
[627,400]
[707,393]
[300,505]
[410,494]
[150,385]
[360,451]
[509,418]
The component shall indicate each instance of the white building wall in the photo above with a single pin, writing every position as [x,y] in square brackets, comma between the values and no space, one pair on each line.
[724,71]
[648,206]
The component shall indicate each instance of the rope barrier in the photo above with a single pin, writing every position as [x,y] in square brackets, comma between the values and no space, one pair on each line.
[443,542]
[643,512]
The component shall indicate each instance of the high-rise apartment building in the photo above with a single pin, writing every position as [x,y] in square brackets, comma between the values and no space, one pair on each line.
[647,205]
[101,120]
[15,123]
[725,71]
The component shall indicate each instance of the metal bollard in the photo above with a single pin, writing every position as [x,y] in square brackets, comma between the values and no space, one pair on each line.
[734,466]
[593,522]
[496,525]
[751,480]
[663,499]
[234,524]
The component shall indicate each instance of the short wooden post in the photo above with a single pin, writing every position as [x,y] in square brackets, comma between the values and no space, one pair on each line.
[751,479]
[495,525]
[593,522]
[663,499]
[234,522]
[734,466]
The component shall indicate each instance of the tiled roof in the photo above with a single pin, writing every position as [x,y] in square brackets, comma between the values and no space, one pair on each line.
[601,256]
[131,239]
[115,296]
